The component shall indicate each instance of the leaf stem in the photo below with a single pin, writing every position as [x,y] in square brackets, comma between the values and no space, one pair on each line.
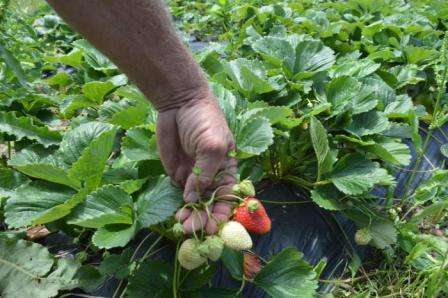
[9,150]
[176,271]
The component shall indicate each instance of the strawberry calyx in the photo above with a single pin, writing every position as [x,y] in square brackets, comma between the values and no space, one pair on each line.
[253,205]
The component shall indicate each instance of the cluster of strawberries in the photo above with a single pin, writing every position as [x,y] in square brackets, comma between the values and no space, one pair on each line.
[249,216]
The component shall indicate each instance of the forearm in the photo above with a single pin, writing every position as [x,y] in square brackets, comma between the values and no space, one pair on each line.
[137,35]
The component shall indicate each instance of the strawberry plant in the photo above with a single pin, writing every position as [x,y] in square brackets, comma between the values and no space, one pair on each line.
[345,100]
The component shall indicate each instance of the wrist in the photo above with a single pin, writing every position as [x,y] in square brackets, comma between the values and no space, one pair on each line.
[177,98]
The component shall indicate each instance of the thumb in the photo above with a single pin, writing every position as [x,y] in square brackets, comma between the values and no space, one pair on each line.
[209,159]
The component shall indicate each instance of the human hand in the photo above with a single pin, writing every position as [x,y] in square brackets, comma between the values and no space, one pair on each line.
[196,136]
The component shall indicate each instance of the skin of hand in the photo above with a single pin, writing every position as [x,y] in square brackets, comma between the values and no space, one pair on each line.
[197,136]
[137,35]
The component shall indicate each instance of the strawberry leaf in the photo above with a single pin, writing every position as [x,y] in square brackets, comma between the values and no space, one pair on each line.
[108,205]
[24,127]
[39,202]
[354,174]
[27,268]
[287,275]
[158,202]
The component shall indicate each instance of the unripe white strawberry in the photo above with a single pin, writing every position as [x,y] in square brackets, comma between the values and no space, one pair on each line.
[212,247]
[363,236]
[189,256]
[235,236]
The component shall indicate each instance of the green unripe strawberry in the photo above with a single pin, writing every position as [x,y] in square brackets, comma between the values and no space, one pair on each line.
[189,256]
[245,189]
[212,247]
[178,230]
[363,236]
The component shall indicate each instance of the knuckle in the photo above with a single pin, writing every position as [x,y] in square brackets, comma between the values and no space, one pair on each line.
[214,145]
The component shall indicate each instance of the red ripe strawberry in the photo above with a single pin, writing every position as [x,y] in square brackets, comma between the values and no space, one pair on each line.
[252,215]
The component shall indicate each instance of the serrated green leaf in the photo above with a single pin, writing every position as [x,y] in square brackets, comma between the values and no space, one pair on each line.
[31,164]
[428,211]
[78,139]
[39,202]
[347,93]
[25,271]
[130,116]
[321,148]
[369,123]
[133,93]
[419,55]
[90,165]
[227,102]
[234,261]
[275,114]
[73,103]
[116,235]
[139,144]
[287,275]
[277,50]
[13,64]
[96,90]
[398,130]
[312,55]
[198,278]
[327,197]
[255,136]
[158,202]
[89,278]
[108,205]
[131,186]
[354,174]
[381,91]
[392,151]
[24,127]
[117,264]
[110,108]
[60,79]
[400,108]
[159,285]
[307,56]
[93,57]
[73,58]
[383,233]
[249,76]
[356,68]
[406,75]
[10,180]
[119,80]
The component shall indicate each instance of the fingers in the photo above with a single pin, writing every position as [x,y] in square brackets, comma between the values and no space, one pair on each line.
[209,159]
[182,214]
[212,226]
[176,163]
[223,205]
[167,140]
[196,221]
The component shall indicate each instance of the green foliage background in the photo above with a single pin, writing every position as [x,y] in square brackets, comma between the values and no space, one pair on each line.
[318,94]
